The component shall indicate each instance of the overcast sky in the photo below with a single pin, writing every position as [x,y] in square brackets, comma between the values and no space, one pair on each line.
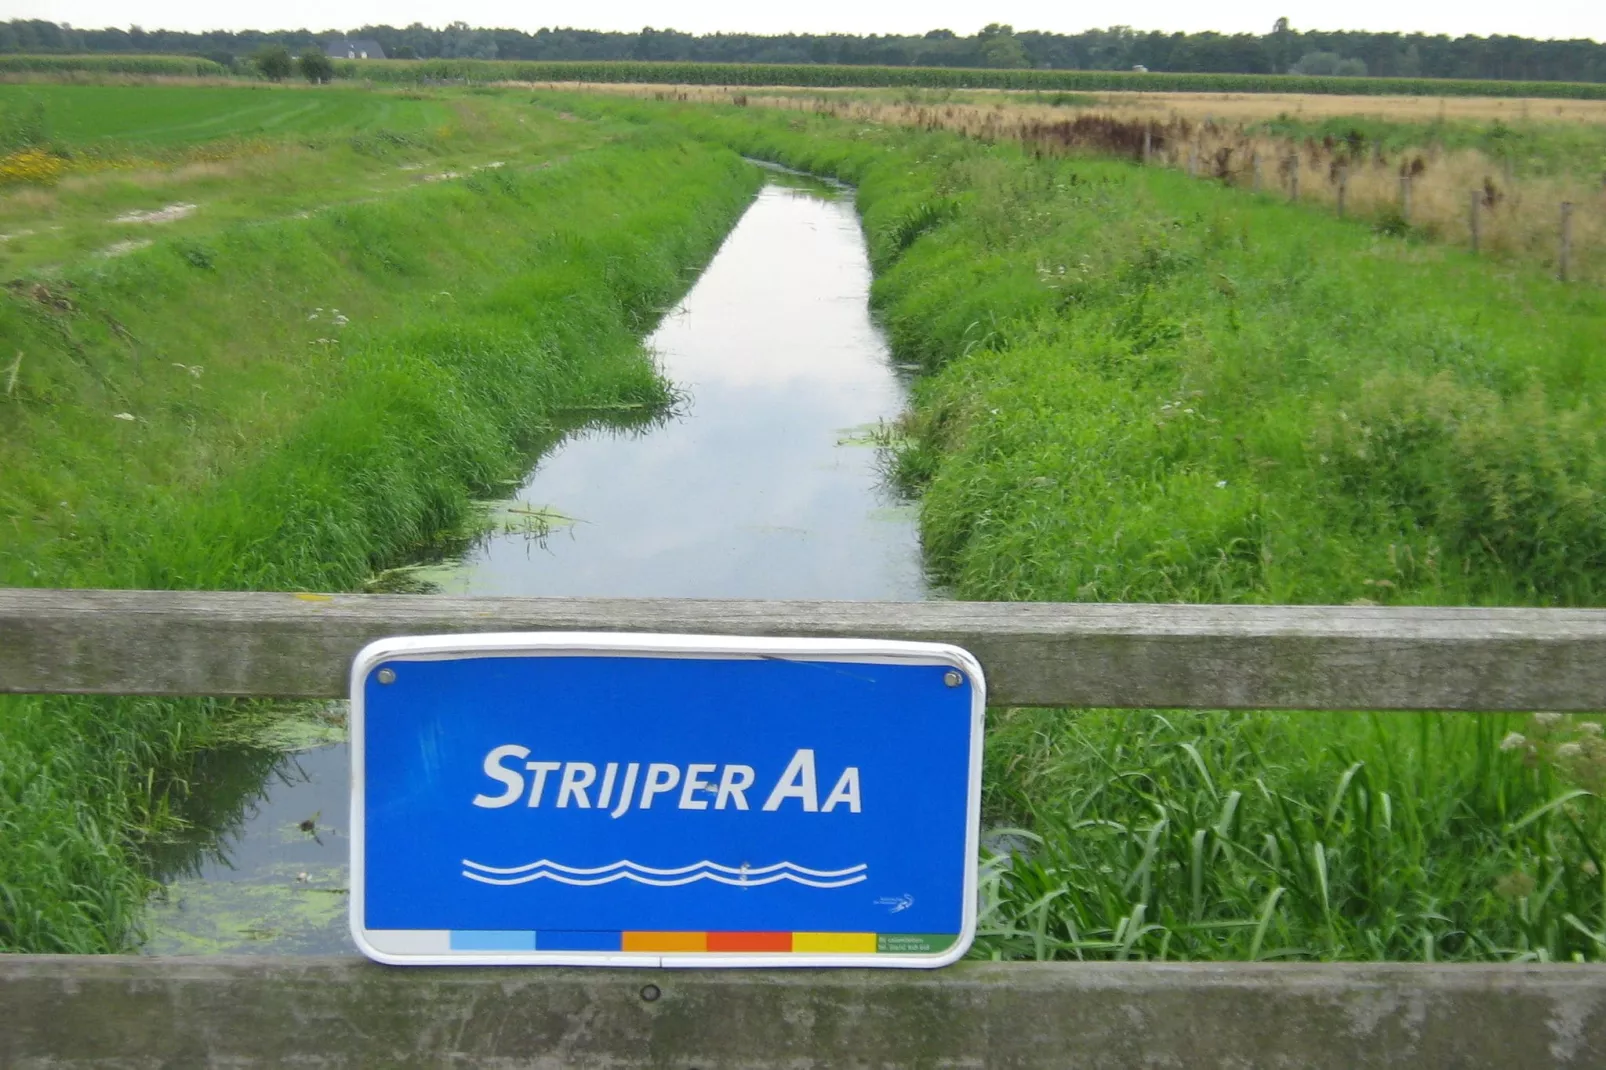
[1535,18]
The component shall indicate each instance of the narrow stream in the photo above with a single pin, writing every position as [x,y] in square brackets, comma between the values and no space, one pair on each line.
[764,485]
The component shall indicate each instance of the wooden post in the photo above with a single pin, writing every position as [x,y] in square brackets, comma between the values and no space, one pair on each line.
[1473,205]
[1405,197]
[1293,178]
[1193,160]
[1343,189]
[1254,167]
[1148,144]
[1563,262]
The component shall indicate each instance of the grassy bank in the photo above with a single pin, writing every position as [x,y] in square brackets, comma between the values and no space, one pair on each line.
[1410,173]
[1146,388]
[293,402]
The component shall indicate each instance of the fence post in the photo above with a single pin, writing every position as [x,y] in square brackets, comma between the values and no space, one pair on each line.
[1563,261]
[1148,144]
[1293,178]
[1193,159]
[1405,197]
[1254,166]
[1474,204]
[1343,189]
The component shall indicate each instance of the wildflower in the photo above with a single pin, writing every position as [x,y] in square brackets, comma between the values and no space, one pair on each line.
[1514,741]
[1589,728]
[1547,720]
[1569,751]
[1589,868]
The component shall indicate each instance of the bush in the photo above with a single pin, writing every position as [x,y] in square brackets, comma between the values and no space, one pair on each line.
[315,67]
[274,62]
[1329,65]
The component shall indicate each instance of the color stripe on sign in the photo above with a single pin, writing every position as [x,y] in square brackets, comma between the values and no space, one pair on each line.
[750,942]
[492,940]
[577,940]
[664,942]
[834,943]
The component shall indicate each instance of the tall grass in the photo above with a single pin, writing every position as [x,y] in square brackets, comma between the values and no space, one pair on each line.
[294,403]
[1521,172]
[1147,388]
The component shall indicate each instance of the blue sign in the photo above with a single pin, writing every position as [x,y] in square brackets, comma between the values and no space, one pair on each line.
[664,800]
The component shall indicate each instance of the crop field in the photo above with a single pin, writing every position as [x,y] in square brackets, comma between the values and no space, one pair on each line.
[811,75]
[100,65]
[1134,384]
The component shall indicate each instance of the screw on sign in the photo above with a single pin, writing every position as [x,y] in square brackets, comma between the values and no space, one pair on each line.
[601,799]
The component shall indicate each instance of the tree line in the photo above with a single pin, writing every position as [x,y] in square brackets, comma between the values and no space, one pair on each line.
[1282,50]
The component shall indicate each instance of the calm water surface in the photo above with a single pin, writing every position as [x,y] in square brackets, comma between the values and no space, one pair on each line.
[764,485]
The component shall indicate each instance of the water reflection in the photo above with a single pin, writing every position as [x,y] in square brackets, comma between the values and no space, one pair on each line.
[768,486]
[765,485]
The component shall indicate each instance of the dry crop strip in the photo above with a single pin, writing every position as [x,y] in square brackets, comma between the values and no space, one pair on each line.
[1426,191]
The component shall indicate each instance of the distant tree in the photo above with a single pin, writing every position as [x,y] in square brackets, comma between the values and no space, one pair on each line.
[315,66]
[1000,47]
[274,62]
[1329,64]
[404,52]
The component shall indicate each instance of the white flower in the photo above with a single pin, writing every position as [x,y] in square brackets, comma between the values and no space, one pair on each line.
[130,417]
[1547,720]
[1220,483]
[1589,728]
[1514,741]
[1568,751]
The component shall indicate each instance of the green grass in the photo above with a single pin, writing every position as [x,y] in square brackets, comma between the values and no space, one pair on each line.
[195,414]
[1143,388]
[163,116]
[238,155]
[1532,147]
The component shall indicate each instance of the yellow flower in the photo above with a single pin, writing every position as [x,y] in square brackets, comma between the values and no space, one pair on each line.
[30,165]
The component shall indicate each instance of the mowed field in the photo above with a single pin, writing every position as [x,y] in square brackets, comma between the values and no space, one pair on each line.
[86,116]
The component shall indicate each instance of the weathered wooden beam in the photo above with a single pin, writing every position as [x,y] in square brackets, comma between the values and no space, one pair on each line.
[67,1012]
[1035,654]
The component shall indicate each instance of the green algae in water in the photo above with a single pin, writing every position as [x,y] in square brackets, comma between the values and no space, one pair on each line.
[283,909]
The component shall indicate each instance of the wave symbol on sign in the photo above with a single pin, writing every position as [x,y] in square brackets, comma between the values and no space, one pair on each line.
[737,876]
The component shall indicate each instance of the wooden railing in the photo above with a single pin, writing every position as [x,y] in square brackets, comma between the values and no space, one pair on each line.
[66,1011]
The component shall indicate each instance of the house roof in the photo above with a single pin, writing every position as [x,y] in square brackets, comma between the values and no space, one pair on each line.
[353,48]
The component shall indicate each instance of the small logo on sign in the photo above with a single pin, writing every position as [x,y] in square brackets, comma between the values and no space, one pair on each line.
[896,904]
